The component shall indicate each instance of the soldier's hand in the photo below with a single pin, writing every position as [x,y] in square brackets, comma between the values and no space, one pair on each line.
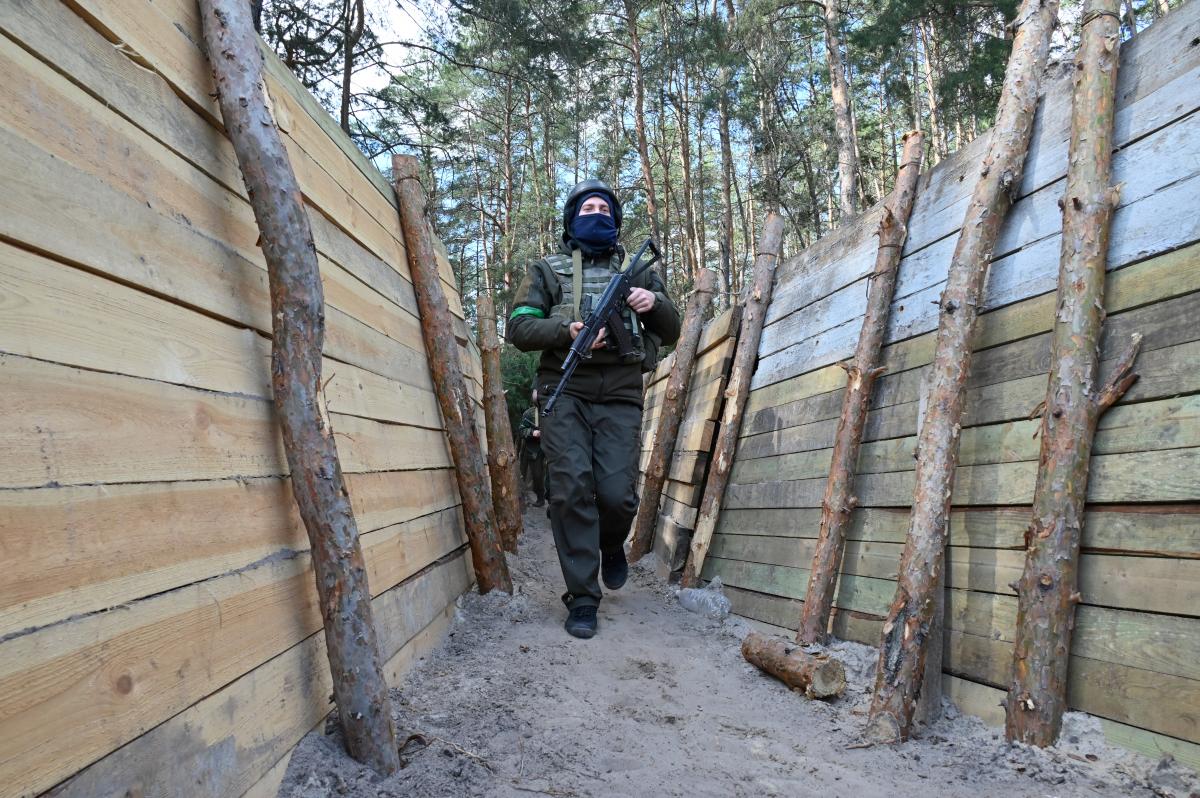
[641,300]
[576,326]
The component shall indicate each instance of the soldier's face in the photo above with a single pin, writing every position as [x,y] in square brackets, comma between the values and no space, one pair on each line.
[594,205]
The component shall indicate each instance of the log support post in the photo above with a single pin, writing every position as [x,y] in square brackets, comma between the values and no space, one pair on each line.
[670,415]
[1047,596]
[754,313]
[502,455]
[298,331]
[441,348]
[861,373]
[907,629]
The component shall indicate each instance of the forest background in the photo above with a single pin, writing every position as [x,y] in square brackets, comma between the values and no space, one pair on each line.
[702,116]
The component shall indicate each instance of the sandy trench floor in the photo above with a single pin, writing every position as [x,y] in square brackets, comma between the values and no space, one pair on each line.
[661,703]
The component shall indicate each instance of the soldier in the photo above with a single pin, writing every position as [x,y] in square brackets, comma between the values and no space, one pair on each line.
[532,465]
[591,441]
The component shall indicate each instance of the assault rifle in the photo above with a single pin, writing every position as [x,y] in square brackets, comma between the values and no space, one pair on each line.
[606,314]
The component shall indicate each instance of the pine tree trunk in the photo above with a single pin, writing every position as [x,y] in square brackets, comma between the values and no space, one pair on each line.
[298,330]
[754,312]
[1046,593]
[860,380]
[671,415]
[682,107]
[729,252]
[929,60]
[502,454]
[639,117]
[1130,17]
[847,159]
[907,628]
[449,384]
[351,34]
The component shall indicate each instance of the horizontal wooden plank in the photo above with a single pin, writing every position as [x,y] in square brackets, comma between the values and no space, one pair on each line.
[703,391]
[680,514]
[57,209]
[1159,702]
[684,493]
[1167,530]
[80,427]
[985,701]
[67,549]
[75,691]
[718,331]
[1122,478]
[122,154]
[1152,584]
[1151,225]
[47,109]
[783,404]
[1160,644]
[1145,426]
[210,751]
[1162,372]
[785,613]
[51,311]
[857,593]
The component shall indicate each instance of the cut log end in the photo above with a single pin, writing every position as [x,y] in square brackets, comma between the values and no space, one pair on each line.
[828,680]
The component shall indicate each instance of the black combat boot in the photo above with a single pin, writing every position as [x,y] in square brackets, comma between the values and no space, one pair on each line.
[614,569]
[581,622]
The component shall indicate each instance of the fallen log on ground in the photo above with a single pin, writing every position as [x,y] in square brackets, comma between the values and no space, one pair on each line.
[815,675]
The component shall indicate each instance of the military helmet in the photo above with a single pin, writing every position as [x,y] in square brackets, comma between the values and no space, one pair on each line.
[581,190]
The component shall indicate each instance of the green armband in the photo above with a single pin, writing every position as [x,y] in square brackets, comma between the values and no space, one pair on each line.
[525,310]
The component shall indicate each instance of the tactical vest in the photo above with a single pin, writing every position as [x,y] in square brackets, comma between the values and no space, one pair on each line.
[581,285]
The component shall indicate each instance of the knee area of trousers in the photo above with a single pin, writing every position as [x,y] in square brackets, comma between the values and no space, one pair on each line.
[618,499]
[572,492]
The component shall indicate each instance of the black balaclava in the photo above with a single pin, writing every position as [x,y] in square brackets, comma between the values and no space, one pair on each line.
[576,197]
[595,232]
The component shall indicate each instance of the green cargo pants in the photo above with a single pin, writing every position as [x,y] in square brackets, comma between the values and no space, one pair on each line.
[591,451]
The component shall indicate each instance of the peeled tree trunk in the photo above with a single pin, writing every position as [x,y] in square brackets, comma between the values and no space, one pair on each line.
[860,380]
[449,385]
[671,415]
[814,675]
[907,629]
[1046,591]
[502,454]
[754,314]
[298,330]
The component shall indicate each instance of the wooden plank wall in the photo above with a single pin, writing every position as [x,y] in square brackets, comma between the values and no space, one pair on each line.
[159,633]
[1136,657]
[701,416]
